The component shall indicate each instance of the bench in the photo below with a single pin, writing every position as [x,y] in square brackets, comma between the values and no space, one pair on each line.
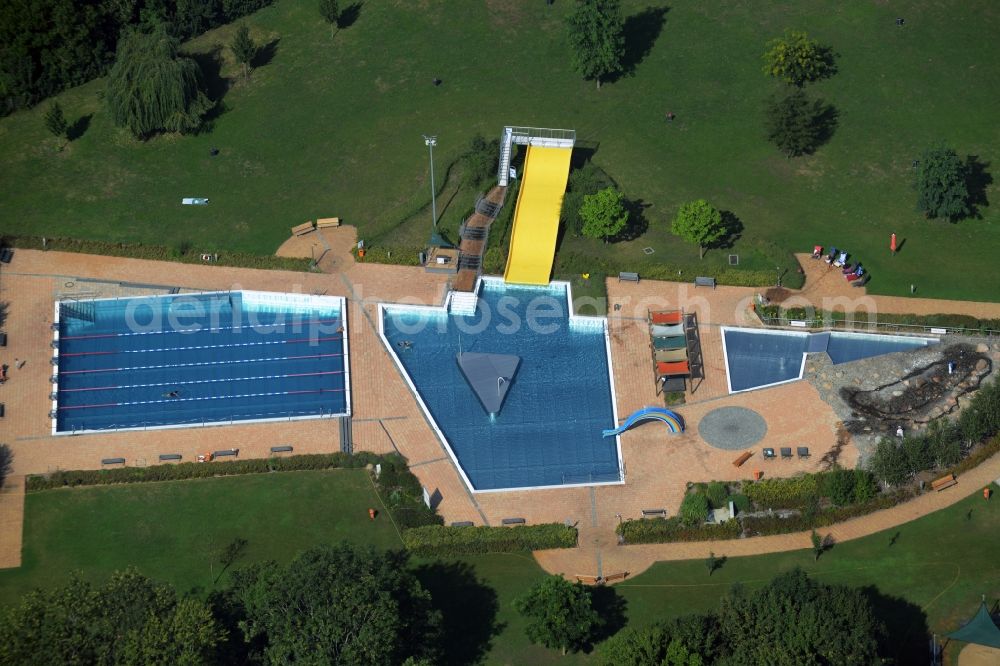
[587,580]
[327,222]
[512,521]
[281,449]
[743,457]
[654,513]
[628,277]
[226,452]
[611,578]
[946,481]
[302,229]
[112,461]
[170,456]
[463,523]
[703,281]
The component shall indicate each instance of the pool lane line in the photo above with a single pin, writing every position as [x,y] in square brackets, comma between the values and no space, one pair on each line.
[200,381]
[171,349]
[199,364]
[214,397]
[217,329]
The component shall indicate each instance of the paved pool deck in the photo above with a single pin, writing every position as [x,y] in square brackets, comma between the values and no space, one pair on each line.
[387,417]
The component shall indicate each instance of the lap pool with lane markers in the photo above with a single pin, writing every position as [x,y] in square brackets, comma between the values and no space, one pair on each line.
[196,359]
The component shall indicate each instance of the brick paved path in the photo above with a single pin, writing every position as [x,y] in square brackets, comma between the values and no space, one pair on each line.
[11,521]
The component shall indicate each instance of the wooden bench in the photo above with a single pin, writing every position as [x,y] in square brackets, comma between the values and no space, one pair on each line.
[946,481]
[281,449]
[463,523]
[702,281]
[512,521]
[628,277]
[611,578]
[327,222]
[743,457]
[112,461]
[302,229]
[654,513]
[587,580]
[170,456]
[226,452]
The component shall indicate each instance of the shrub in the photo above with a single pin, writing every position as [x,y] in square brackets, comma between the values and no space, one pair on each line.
[792,493]
[718,496]
[740,502]
[838,485]
[981,418]
[977,456]
[694,509]
[438,540]
[865,486]
[6,462]
[399,255]
[666,530]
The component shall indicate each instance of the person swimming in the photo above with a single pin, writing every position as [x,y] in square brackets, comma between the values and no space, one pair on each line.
[172,394]
[405,344]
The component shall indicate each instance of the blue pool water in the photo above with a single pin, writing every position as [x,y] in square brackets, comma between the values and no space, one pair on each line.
[756,358]
[198,358]
[548,431]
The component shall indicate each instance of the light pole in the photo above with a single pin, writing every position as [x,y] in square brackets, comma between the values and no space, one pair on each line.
[431,141]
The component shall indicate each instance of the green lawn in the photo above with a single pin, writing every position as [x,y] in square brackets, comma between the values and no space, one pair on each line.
[332,125]
[173,531]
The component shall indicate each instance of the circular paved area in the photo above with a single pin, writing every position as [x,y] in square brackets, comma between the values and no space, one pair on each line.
[732,428]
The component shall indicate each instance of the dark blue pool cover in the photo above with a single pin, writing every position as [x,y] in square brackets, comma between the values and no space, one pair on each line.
[191,359]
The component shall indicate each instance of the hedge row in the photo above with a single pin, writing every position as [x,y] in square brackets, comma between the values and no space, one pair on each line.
[978,455]
[782,493]
[820,318]
[665,530]
[807,520]
[184,253]
[192,470]
[572,263]
[440,540]
[399,255]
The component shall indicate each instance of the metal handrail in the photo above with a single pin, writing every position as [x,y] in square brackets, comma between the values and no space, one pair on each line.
[873,325]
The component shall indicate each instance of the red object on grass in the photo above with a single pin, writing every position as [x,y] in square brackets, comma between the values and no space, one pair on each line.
[892,243]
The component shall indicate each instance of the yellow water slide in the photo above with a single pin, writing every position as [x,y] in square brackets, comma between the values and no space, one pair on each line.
[536,217]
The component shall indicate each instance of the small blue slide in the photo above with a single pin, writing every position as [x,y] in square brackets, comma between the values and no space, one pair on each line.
[673,420]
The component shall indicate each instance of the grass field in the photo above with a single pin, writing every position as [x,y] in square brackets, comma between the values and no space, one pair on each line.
[332,124]
[930,576]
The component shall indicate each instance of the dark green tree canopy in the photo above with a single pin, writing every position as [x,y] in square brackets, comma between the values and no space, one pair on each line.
[560,614]
[152,88]
[796,620]
[796,124]
[699,222]
[329,10]
[941,185]
[336,604]
[6,462]
[131,620]
[55,121]
[603,213]
[597,37]
[796,59]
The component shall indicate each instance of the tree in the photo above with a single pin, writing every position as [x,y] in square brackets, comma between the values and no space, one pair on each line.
[6,462]
[597,37]
[796,59]
[700,223]
[588,179]
[131,620]
[690,640]
[560,614]
[330,11]
[888,463]
[796,620]
[244,49]
[480,161]
[818,544]
[152,88]
[55,121]
[942,189]
[796,124]
[335,604]
[603,213]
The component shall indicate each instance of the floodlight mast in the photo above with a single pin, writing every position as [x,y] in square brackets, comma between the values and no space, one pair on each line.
[430,142]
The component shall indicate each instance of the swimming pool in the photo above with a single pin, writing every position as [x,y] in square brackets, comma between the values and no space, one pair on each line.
[758,358]
[198,359]
[548,430]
